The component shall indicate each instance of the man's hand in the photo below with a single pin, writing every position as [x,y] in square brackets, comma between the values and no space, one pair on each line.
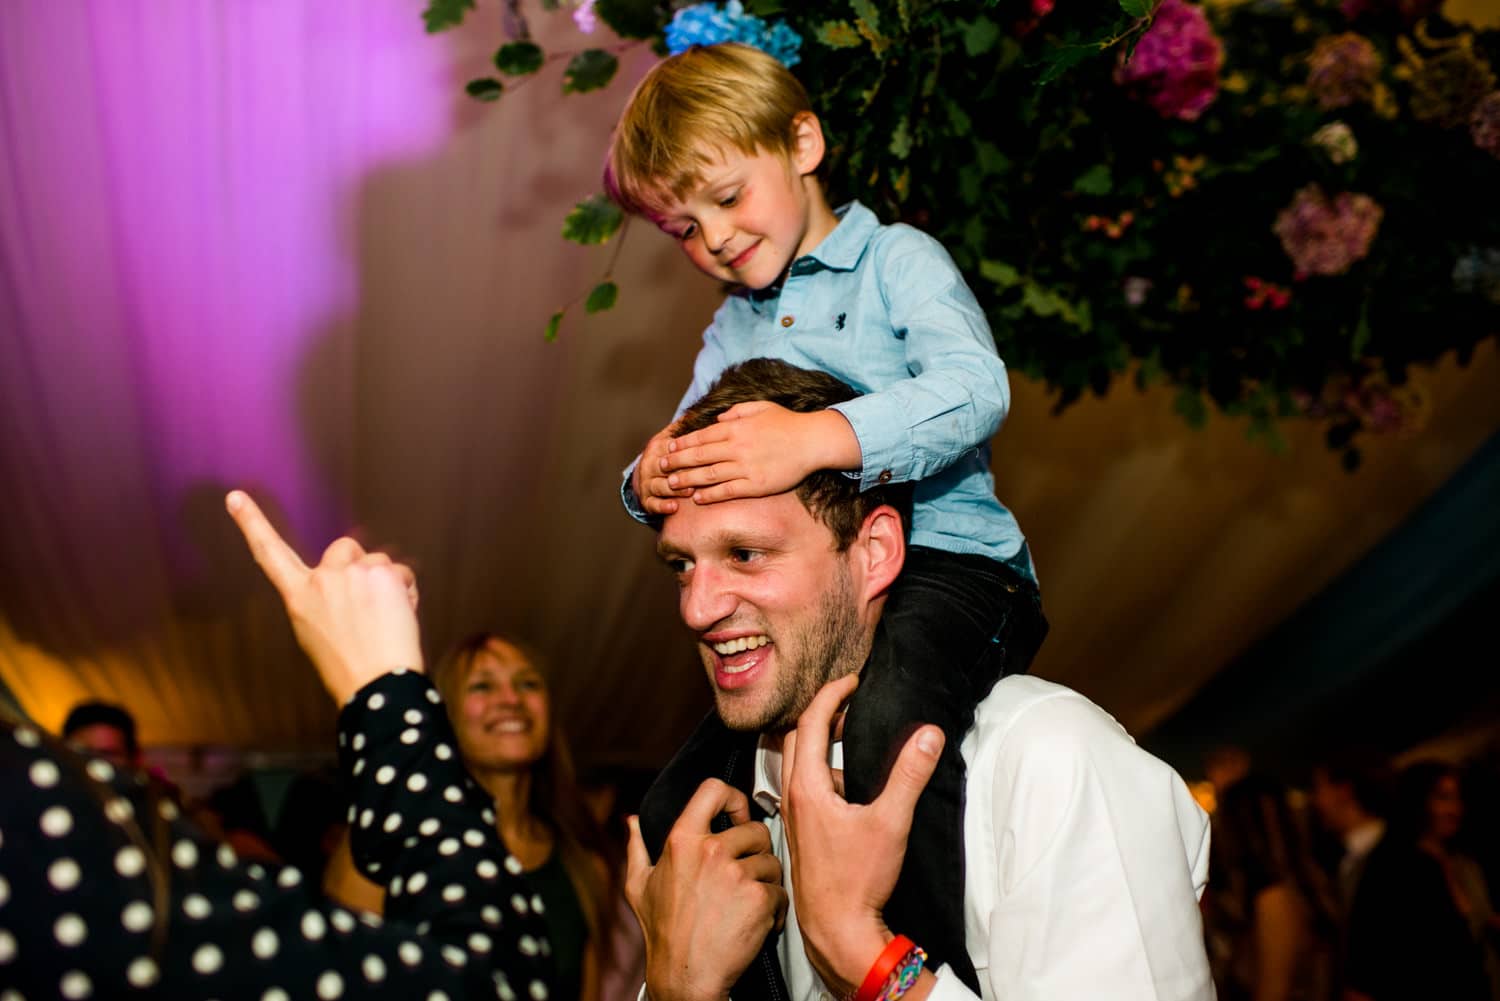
[649,481]
[709,903]
[846,856]
[758,449]
[354,613]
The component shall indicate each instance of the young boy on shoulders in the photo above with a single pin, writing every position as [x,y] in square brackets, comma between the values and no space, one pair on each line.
[719,147]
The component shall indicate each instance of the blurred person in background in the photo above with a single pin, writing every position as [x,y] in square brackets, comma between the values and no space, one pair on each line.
[1269,913]
[497,698]
[1422,911]
[105,730]
[1350,795]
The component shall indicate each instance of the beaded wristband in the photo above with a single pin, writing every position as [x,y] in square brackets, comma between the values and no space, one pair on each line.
[900,981]
[890,957]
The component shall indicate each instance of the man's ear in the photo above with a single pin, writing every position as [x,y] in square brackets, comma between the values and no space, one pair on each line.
[882,545]
[808,145]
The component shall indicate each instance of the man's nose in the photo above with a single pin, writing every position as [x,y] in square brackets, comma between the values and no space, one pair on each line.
[705,600]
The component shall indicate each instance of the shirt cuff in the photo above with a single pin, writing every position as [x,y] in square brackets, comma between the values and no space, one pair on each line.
[885,457]
[629,498]
[949,987]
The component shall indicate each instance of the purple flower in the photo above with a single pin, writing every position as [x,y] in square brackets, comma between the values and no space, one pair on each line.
[1176,64]
[1324,236]
[1343,70]
[584,16]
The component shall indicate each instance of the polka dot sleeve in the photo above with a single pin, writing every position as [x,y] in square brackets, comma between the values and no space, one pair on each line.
[106,892]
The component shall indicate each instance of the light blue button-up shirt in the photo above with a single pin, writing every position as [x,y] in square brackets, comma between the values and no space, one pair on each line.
[885,309]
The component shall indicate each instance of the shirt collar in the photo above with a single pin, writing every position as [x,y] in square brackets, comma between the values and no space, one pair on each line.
[840,250]
[767,789]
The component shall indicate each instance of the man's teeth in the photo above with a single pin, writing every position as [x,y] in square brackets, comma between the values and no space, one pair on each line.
[743,643]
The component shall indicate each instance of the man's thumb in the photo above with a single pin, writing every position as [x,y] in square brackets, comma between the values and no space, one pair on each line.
[912,771]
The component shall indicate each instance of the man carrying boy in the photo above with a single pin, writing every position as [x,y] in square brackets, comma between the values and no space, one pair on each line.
[719,146]
[1085,854]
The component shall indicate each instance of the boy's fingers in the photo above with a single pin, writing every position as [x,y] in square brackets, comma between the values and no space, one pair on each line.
[700,455]
[277,560]
[742,410]
[698,439]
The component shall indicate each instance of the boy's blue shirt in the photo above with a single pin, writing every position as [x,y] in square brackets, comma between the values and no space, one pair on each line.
[885,309]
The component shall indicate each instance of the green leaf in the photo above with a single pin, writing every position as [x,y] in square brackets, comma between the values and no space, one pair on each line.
[550,334]
[958,119]
[602,297]
[1059,59]
[901,141]
[866,12]
[443,14]
[1095,181]
[593,220]
[991,160]
[1190,406]
[1002,274]
[970,183]
[1362,332]
[629,18]
[589,70]
[519,58]
[764,8]
[838,35]
[484,89]
[980,37]
[1137,8]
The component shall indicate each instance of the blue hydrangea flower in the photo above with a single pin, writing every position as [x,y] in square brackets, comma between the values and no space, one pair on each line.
[711,23]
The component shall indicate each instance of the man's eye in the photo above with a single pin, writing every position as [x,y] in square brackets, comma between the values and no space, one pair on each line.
[742,555]
[679,567]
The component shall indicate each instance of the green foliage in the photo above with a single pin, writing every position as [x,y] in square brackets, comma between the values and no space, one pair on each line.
[554,323]
[519,58]
[1106,238]
[440,15]
[593,220]
[602,297]
[591,69]
[484,89]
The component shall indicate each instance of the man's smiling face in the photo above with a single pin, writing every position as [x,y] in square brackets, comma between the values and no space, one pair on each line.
[774,604]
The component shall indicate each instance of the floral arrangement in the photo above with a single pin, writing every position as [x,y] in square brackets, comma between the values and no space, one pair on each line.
[1276,206]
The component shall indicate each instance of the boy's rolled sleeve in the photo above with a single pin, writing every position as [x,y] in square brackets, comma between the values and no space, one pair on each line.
[959,392]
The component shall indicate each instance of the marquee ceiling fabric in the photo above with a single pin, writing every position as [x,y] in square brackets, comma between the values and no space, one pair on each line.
[272,246]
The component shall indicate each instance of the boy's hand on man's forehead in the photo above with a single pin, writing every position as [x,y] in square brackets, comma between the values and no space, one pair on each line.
[758,449]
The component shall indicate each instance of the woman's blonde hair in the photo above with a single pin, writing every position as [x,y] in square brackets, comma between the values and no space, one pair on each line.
[693,105]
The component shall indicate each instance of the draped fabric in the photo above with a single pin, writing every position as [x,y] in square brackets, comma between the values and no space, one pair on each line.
[273,246]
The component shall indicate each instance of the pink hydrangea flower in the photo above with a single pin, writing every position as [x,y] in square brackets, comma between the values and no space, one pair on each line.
[1323,235]
[1176,64]
[1484,124]
[584,16]
[1342,70]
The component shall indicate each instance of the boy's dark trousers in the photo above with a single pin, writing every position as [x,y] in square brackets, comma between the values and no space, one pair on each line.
[952,626]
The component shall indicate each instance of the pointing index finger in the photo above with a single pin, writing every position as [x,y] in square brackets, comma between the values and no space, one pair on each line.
[280,563]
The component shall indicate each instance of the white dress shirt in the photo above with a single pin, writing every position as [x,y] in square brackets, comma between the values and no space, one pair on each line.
[1086,858]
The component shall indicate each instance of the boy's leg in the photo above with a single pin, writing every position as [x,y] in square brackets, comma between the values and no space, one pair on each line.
[952,626]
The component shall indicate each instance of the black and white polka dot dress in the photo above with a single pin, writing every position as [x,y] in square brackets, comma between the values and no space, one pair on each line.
[81,915]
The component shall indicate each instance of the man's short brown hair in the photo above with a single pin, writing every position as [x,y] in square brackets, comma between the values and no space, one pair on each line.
[829,495]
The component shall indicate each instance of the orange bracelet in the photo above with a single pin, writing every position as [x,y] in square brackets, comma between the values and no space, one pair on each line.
[892,954]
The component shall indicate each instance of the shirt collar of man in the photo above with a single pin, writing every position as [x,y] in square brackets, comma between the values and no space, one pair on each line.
[767,789]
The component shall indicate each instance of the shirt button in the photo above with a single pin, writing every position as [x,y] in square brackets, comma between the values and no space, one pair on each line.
[884,477]
[787,321]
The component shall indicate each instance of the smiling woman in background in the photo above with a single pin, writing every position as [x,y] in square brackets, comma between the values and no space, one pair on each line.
[498,701]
